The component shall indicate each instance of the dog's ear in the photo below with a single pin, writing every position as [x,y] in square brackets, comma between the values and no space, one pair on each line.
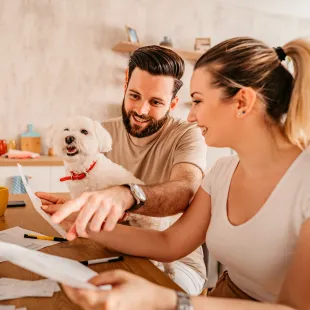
[104,138]
[50,136]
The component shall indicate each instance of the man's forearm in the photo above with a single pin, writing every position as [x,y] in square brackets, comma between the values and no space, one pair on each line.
[166,199]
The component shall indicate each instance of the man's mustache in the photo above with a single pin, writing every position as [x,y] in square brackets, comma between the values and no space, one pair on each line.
[143,116]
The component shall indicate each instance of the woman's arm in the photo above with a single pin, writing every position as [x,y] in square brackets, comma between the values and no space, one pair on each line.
[177,241]
[296,288]
[215,303]
[132,292]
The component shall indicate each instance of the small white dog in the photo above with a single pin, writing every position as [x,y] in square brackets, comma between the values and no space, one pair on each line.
[80,142]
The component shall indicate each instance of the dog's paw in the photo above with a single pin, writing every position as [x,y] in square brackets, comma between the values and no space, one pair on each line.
[169,270]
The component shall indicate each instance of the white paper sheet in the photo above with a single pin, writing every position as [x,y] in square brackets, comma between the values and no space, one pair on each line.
[15,235]
[9,307]
[63,270]
[37,204]
[14,288]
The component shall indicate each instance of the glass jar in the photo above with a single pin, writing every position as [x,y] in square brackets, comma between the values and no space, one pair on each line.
[12,145]
[3,147]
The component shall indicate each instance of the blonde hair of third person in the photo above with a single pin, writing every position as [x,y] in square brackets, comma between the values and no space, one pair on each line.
[253,207]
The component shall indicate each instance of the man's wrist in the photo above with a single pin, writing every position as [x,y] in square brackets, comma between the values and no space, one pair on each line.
[130,200]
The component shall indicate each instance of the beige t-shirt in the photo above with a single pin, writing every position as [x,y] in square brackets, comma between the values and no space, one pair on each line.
[178,142]
[257,253]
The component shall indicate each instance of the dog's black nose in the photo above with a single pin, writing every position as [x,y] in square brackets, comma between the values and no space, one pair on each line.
[69,139]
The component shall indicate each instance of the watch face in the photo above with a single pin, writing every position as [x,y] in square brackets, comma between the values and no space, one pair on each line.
[139,192]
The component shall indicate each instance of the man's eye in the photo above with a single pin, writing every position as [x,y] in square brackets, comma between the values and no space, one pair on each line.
[155,102]
[66,129]
[84,132]
[134,96]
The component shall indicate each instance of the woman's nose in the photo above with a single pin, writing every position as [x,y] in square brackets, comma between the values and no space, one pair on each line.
[191,116]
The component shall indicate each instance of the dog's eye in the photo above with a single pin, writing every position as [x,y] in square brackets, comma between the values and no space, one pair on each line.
[66,129]
[84,132]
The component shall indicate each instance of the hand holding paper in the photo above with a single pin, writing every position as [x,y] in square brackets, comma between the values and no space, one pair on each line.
[38,205]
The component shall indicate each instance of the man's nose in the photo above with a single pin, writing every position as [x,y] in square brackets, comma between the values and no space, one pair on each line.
[143,108]
[69,139]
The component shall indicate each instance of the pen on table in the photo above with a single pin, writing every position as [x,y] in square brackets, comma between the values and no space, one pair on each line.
[45,238]
[102,260]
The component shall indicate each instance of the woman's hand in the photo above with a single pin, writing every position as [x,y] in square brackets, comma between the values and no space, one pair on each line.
[128,292]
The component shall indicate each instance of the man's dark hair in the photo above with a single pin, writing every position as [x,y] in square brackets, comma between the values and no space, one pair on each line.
[157,60]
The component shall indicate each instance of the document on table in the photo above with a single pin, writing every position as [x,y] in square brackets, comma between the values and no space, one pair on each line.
[63,270]
[14,288]
[15,235]
[11,307]
[37,204]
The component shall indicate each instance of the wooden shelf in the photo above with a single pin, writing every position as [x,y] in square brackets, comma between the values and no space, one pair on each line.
[128,47]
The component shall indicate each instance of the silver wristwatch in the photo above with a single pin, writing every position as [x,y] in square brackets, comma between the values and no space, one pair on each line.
[138,194]
[184,302]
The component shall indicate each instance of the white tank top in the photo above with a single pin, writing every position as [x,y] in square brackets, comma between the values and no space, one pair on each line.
[257,253]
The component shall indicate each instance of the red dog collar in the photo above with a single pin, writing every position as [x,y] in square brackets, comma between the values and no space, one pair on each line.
[78,176]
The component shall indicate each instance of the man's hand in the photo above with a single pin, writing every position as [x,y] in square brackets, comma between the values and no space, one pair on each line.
[52,203]
[95,209]
[128,292]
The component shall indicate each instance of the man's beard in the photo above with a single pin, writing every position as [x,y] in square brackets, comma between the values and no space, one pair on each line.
[135,130]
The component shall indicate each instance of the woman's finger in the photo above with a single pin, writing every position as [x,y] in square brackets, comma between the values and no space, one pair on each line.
[47,197]
[112,277]
[51,209]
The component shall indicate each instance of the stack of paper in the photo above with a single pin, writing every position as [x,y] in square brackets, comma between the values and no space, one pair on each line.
[15,235]
[63,270]
[11,308]
[14,288]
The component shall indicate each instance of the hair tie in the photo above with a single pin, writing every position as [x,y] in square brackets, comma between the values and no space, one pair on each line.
[280,52]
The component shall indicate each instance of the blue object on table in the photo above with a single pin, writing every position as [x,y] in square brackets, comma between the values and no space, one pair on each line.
[17,186]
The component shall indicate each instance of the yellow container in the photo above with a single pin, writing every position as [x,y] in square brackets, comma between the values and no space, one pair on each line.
[31,144]
[4,199]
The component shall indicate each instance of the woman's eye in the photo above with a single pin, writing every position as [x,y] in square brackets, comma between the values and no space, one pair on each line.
[66,129]
[196,101]
[84,132]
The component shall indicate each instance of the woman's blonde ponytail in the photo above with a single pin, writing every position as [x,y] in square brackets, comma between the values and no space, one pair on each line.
[297,124]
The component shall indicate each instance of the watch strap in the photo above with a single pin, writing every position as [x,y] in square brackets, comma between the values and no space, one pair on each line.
[138,203]
[184,302]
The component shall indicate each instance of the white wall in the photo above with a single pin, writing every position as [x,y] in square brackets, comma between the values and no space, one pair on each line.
[56,57]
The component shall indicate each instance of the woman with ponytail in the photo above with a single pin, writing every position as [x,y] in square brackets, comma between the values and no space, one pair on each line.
[253,208]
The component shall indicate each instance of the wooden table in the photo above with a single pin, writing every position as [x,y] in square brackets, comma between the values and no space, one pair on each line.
[80,249]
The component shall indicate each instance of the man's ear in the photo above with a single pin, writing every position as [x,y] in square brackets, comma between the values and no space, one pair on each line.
[126,80]
[174,103]
[104,138]
[49,140]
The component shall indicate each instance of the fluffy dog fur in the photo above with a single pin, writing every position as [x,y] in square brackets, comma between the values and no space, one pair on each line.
[81,141]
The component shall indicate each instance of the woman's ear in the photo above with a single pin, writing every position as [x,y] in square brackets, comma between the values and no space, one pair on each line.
[104,138]
[246,98]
